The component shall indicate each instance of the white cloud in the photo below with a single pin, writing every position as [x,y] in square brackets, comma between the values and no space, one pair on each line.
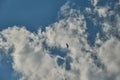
[88,10]
[109,55]
[30,58]
[34,62]
[118,22]
[108,50]
[119,2]
[94,2]
[102,11]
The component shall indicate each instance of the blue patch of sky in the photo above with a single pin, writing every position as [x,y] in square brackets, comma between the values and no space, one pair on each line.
[6,70]
[56,51]
[29,13]
[92,31]
[107,2]
[67,66]
[65,63]
[80,4]
[60,61]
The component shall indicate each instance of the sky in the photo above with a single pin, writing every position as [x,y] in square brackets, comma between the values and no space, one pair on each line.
[35,35]
[29,13]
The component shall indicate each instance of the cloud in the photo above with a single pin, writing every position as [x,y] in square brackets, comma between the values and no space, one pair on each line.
[109,55]
[94,2]
[34,62]
[28,55]
[102,11]
[34,59]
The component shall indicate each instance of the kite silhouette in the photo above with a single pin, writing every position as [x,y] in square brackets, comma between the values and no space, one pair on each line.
[67,45]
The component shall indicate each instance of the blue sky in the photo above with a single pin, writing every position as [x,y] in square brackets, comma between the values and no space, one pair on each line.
[29,13]
[6,69]
[85,25]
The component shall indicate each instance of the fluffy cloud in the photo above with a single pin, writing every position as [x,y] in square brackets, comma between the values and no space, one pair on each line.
[34,59]
[109,55]
[102,11]
[94,2]
[34,62]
